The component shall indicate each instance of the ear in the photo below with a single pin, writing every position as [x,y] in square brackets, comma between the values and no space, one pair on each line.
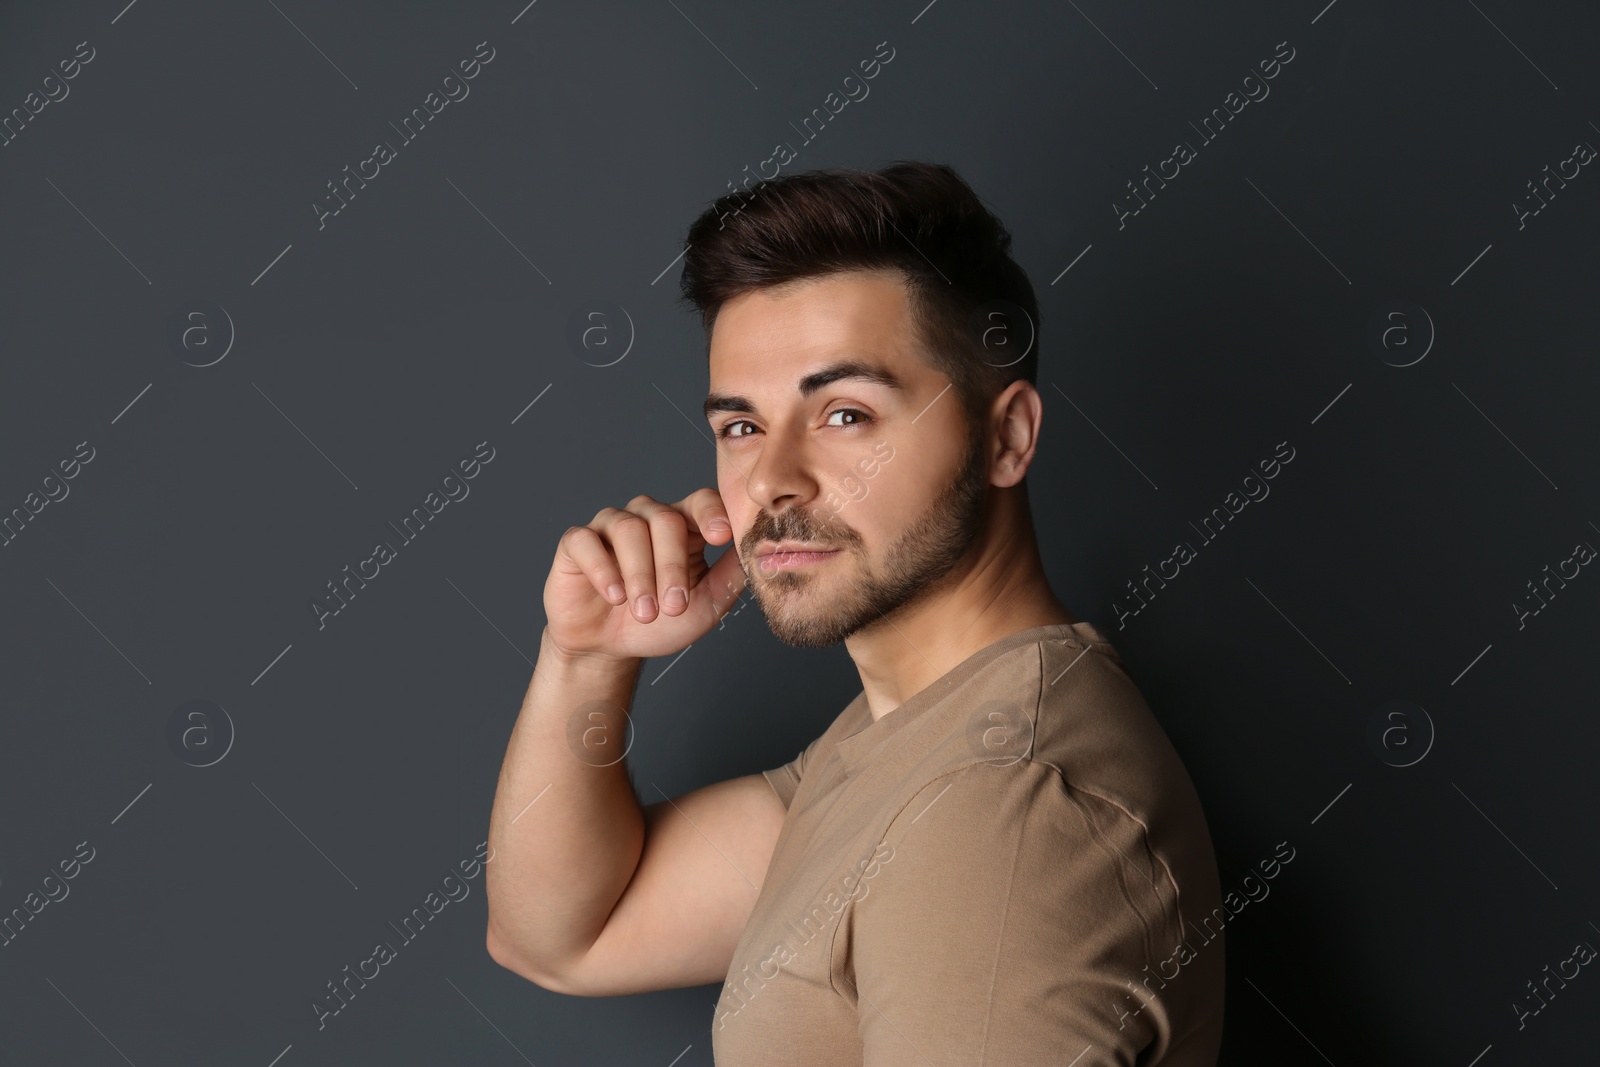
[1017,413]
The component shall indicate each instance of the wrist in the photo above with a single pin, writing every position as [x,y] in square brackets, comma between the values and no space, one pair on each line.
[567,659]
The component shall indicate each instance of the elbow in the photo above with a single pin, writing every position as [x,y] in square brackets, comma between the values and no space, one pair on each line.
[503,951]
[499,951]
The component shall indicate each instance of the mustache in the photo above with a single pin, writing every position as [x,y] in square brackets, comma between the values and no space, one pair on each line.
[793,526]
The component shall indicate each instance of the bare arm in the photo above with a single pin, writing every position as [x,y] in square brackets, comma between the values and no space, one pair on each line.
[565,833]
[705,858]
[589,893]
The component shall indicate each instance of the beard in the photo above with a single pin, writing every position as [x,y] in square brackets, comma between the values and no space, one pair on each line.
[920,561]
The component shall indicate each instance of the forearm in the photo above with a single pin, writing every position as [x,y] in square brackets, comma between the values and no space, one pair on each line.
[566,829]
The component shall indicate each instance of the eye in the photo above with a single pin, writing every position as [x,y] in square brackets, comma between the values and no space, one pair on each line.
[861,416]
[730,431]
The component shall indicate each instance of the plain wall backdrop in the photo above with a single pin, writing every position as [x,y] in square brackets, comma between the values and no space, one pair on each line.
[218,393]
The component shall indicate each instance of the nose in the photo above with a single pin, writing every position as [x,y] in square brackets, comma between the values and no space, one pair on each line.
[780,478]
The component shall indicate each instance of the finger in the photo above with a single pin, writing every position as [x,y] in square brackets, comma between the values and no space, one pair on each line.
[707,515]
[669,540]
[629,537]
[588,552]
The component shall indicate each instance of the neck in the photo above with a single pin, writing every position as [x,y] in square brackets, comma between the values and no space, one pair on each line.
[998,589]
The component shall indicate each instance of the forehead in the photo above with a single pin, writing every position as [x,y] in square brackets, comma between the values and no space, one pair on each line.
[767,336]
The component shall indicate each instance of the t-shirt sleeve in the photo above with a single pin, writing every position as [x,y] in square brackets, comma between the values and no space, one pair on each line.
[1012,924]
[786,779]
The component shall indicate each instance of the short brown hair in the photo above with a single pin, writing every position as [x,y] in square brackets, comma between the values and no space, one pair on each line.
[972,303]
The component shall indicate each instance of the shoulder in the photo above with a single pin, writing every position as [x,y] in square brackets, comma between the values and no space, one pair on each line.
[1068,703]
[991,809]
[1052,746]
[1020,838]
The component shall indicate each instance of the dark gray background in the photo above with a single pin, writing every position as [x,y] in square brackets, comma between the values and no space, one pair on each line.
[1230,315]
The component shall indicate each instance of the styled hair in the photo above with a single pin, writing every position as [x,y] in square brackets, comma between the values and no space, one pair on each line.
[972,304]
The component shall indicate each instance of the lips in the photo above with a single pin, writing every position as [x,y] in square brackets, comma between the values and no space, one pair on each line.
[782,547]
[791,554]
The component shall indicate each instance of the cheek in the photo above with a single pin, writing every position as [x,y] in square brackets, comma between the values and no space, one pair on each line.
[898,491]
[877,505]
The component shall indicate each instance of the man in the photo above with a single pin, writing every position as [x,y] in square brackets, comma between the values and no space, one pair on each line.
[993,854]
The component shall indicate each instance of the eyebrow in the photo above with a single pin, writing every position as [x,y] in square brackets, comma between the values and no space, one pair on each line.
[842,370]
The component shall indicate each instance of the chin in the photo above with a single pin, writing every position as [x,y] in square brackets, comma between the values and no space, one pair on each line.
[801,628]
[806,636]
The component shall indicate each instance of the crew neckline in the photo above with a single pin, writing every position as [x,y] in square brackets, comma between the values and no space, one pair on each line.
[856,748]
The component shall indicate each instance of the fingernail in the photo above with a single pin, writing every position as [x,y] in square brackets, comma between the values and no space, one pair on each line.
[645,605]
[719,526]
[674,599]
[615,592]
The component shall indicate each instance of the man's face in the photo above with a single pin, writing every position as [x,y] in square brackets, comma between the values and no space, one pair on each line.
[887,479]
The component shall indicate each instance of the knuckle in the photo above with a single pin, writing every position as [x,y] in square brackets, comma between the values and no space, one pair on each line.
[670,517]
[573,536]
[631,522]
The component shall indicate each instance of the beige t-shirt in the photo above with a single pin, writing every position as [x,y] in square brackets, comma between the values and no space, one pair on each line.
[1005,870]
